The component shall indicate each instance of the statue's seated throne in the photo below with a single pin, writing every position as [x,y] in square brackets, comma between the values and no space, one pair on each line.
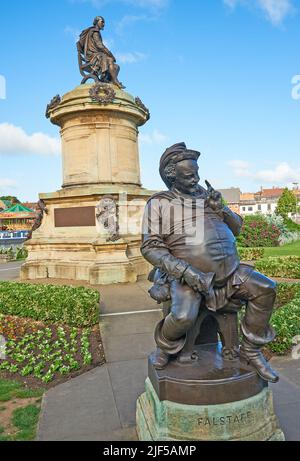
[218,329]
[208,369]
[85,67]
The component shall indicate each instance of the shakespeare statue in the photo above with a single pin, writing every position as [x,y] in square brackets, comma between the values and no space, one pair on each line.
[202,269]
[95,60]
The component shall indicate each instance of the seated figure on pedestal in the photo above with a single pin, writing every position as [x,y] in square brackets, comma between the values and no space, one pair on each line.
[202,268]
[95,59]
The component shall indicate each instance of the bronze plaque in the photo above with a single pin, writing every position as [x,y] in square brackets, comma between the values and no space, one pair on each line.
[75,217]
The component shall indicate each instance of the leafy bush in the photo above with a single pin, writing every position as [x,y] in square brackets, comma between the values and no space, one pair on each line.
[21,253]
[18,253]
[286,292]
[251,254]
[278,221]
[291,226]
[9,252]
[75,306]
[289,237]
[280,266]
[286,319]
[257,232]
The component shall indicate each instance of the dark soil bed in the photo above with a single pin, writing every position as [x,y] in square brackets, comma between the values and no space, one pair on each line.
[15,328]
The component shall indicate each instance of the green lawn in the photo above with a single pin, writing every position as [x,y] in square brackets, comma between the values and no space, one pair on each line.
[292,249]
[24,416]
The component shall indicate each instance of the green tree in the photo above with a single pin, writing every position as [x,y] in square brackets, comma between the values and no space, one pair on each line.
[10,198]
[286,204]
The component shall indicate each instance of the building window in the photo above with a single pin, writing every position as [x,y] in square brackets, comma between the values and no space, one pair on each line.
[243,208]
[250,208]
[269,207]
[259,207]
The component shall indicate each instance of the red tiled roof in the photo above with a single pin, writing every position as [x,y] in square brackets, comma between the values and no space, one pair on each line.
[32,205]
[275,192]
[268,193]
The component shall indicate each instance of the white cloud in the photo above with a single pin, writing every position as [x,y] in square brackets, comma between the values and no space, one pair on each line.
[148,4]
[128,20]
[73,32]
[14,140]
[156,137]
[240,168]
[281,174]
[275,11]
[2,87]
[231,3]
[5,182]
[129,58]
[240,164]
[157,4]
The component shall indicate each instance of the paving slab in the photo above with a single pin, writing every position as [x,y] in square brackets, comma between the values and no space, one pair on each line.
[288,367]
[10,271]
[83,408]
[125,298]
[121,435]
[287,396]
[128,383]
[122,325]
[145,285]
[128,347]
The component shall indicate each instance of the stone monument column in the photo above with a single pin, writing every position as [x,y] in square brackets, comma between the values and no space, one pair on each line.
[91,228]
[100,157]
[99,139]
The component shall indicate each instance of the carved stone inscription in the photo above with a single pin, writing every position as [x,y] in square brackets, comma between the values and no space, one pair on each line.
[225,420]
[75,217]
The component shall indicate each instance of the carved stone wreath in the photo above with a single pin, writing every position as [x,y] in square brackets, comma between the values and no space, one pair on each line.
[140,104]
[52,104]
[102,93]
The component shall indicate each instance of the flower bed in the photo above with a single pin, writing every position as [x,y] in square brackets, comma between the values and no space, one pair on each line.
[251,254]
[280,266]
[39,354]
[258,232]
[74,306]
[286,318]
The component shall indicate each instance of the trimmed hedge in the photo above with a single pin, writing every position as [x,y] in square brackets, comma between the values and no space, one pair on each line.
[251,254]
[74,306]
[280,266]
[286,319]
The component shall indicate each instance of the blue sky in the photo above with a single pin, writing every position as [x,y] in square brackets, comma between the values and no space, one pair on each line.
[216,74]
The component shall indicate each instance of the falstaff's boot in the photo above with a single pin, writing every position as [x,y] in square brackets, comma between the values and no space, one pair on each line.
[165,348]
[252,355]
[160,359]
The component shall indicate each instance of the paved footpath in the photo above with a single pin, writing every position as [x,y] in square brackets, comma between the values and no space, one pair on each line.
[100,405]
[10,271]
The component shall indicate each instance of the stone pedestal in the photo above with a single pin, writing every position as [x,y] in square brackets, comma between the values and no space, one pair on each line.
[100,158]
[210,400]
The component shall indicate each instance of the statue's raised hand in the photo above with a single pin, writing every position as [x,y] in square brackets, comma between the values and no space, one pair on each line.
[214,198]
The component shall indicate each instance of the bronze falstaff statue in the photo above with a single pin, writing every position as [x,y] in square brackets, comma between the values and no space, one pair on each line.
[95,60]
[205,268]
